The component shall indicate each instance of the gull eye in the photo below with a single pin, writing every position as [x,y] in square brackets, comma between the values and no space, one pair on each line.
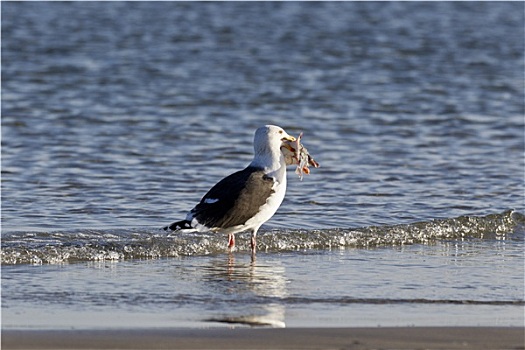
[280,131]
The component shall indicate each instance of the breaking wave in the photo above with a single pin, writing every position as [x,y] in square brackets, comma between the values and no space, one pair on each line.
[95,245]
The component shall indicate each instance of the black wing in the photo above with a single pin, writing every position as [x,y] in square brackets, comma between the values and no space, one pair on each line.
[235,199]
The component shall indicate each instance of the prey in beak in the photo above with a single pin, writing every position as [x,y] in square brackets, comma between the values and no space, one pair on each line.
[296,154]
[288,138]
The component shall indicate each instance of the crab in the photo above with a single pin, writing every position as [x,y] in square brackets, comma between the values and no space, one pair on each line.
[296,154]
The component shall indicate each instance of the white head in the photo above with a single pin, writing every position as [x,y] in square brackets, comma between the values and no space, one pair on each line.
[267,145]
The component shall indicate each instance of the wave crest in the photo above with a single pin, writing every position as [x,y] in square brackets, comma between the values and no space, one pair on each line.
[95,245]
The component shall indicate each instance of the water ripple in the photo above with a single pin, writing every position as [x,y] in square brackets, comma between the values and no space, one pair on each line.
[99,245]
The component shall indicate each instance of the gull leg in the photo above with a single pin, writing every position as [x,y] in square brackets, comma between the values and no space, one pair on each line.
[231,241]
[254,241]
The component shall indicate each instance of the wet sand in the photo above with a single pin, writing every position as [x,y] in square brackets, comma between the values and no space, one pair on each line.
[291,338]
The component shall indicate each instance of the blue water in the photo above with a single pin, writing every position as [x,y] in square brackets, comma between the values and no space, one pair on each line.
[117,117]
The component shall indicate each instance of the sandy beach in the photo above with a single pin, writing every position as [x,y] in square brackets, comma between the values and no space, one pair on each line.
[293,338]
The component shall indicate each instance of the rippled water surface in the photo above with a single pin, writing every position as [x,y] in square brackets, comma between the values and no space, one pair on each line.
[451,283]
[117,117]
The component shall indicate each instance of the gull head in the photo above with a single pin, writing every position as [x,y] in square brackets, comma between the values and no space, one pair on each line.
[269,139]
[267,145]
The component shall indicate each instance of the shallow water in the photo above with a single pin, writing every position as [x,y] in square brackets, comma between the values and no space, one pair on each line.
[117,117]
[475,283]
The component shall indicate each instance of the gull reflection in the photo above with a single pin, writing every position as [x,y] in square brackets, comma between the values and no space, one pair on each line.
[251,290]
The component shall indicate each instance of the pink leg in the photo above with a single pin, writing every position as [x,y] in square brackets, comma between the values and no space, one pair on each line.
[254,241]
[231,241]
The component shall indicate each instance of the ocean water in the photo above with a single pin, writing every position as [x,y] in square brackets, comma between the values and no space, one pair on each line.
[117,117]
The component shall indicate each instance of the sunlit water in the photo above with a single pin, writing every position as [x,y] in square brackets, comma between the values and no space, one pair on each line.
[474,283]
[117,117]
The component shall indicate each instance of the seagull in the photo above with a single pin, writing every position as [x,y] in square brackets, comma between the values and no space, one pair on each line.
[246,199]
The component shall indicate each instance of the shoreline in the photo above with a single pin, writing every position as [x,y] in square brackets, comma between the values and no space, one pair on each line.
[270,338]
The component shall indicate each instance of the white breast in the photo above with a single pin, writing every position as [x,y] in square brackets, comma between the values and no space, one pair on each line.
[271,206]
[273,202]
